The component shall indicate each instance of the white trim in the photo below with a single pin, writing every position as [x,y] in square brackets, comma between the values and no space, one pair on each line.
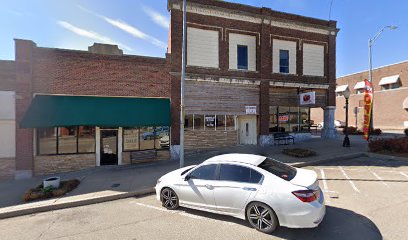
[359,85]
[300,85]
[98,146]
[341,88]
[120,145]
[389,80]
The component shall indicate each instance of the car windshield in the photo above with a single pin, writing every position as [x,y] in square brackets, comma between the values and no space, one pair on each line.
[279,169]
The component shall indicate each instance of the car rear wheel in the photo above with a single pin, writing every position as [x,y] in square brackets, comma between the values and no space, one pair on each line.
[169,199]
[261,217]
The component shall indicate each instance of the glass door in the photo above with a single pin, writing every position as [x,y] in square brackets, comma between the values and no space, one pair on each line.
[109,147]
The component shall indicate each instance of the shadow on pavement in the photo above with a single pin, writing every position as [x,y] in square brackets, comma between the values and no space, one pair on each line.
[338,223]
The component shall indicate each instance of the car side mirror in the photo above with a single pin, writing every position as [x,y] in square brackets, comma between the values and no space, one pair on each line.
[188,177]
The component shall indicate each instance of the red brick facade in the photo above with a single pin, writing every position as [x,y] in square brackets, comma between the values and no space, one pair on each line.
[264,33]
[388,113]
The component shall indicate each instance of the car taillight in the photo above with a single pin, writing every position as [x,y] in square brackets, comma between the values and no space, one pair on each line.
[307,195]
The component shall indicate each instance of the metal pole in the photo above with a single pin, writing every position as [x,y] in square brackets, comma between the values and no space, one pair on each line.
[183,76]
[346,142]
[370,66]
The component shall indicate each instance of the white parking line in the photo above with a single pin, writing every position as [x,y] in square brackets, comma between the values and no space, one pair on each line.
[326,189]
[379,178]
[403,174]
[181,213]
[349,180]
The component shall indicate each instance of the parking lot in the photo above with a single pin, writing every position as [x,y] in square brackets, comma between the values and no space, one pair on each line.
[366,199]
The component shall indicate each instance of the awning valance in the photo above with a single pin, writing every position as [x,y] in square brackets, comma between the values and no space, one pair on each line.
[341,88]
[389,80]
[359,85]
[405,103]
[58,111]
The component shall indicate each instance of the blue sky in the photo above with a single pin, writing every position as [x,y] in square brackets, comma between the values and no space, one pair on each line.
[140,27]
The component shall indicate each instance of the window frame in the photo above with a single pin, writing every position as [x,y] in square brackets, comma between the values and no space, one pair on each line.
[280,61]
[242,67]
[37,147]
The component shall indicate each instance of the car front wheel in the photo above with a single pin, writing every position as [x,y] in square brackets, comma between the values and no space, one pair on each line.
[261,217]
[169,199]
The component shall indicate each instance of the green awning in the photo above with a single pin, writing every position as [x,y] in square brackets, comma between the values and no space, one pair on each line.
[64,111]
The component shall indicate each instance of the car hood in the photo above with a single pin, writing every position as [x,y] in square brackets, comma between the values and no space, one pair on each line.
[305,178]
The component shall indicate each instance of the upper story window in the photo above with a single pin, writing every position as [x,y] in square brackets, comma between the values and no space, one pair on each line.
[284,56]
[242,52]
[313,60]
[391,82]
[242,57]
[284,61]
[202,48]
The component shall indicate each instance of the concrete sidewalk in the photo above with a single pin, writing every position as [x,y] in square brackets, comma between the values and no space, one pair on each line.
[114,182]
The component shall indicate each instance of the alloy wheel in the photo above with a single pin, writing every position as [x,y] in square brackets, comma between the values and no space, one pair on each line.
[169,199]
[262,217]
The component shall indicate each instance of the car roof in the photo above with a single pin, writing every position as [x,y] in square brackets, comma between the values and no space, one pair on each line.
[237,158]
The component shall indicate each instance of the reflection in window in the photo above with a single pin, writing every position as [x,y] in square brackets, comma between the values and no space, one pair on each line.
[147,136]
[289,119]
[220,122]
[86,139]
[47,141]
[230,122]
[198,122]
[130,139]
[188,122]
[67,140]
[162,137]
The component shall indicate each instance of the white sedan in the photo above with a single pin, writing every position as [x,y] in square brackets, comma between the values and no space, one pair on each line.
[261,190]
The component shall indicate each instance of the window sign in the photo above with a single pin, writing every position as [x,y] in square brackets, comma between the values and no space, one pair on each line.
[250,110]
[283,118]
[131,139]
[307,98]
[210,121]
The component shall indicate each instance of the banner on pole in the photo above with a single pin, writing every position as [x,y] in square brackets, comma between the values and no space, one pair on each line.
[368,100]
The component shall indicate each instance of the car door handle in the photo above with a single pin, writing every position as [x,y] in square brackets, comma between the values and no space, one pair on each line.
[249,189]
[208,186]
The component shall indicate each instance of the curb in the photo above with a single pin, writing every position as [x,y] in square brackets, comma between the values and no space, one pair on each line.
[387,157]
[333,159]
[69,204]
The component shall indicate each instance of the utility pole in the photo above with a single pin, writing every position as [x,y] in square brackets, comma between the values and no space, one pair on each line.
[183,77]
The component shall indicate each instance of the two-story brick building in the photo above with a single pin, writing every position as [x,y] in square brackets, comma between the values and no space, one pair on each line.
[242,58]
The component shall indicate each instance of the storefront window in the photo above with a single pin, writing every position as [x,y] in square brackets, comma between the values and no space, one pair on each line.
[162,137]
[147,137]
[289,119]
[86,139]
[198,122]
[220,122]
[67,140]
[230,122]
[47,141]
[130,139]
[188,122]
[71,140]
[209,122]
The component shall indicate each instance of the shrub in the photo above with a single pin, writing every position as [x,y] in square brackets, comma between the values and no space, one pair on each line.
[397,145]
[355,131]
[40,192]
[298,152]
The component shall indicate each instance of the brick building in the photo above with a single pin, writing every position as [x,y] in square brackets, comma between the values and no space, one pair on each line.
[251,72]
[66,110]
[390,106]
[246,69]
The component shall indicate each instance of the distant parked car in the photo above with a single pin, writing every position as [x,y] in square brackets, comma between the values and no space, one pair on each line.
[160,131]
[337,124]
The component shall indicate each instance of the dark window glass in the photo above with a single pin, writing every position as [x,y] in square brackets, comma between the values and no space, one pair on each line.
[284,61]
[234,173]
[242,54]
[206,172]
[230,122]
[255,176]
[188,122]
[220,122]
[198,122]
[279,169]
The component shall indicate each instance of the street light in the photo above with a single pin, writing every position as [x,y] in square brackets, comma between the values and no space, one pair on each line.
[183,78]
[346,141]
[370,44]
